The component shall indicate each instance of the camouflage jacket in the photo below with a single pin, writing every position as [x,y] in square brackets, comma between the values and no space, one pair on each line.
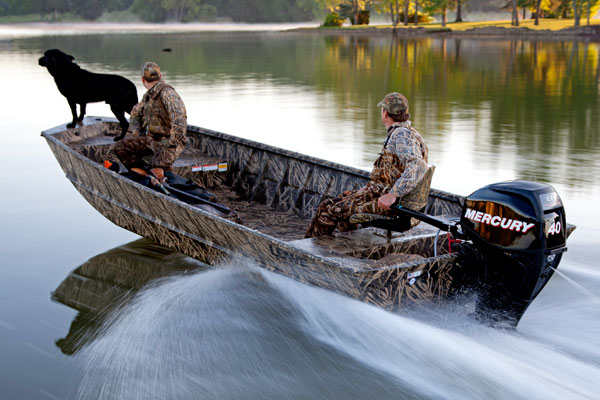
[161,113]
[402,162]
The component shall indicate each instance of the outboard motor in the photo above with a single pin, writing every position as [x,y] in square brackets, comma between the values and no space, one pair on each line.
[513,233]
[519,230]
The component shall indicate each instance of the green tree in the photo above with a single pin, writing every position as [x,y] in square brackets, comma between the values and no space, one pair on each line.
[590,8]
[200,12]
[585,8]
[272,10]
[52,7]
[433,7]
[118,5]
[515,13]
[577,4]
[149,10]
[394,7]
[333,19]
[354,10]
[87,9]
[557,8]
[538,6]
[459,4]
[416,15]
[398,10]
[177,7]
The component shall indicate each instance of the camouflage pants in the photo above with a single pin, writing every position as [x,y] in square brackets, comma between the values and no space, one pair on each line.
[132,151]
[335,213]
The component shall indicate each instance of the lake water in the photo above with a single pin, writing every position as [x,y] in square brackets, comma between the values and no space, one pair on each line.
[166,327]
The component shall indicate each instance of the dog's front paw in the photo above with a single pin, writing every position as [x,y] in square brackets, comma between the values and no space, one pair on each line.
[71,125]
[117,138]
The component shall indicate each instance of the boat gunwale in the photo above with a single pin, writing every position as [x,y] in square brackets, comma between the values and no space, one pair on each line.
[361,173]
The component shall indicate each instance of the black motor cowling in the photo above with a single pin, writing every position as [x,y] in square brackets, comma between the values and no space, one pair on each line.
[519,230]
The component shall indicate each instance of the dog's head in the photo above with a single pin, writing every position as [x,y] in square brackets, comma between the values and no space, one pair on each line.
[55,60]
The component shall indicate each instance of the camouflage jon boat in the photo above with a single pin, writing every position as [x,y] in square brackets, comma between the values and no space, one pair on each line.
[274,193]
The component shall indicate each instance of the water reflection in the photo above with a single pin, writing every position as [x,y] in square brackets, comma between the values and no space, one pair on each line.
[223,333]
[109,281]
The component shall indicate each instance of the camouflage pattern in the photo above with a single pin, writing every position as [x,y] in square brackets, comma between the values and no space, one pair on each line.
[399,169]
[276,192]
[151,71]
[157,127]
[394,103]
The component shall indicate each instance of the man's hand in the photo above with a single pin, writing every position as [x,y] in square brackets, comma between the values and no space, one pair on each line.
[385,201]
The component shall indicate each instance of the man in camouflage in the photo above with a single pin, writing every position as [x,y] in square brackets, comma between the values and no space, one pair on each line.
[400,173]
[157,127]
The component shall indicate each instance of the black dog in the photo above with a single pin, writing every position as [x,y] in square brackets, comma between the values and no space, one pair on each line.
[81,87]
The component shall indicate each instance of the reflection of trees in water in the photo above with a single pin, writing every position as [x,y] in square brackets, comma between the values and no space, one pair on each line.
[107,282]
[540,97]
[546,108]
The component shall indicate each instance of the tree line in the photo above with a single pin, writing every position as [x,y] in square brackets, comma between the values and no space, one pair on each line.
[357,11]
[415,11]
[176,10]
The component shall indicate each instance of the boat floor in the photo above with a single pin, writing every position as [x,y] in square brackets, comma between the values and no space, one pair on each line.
[365,243]
[263,218]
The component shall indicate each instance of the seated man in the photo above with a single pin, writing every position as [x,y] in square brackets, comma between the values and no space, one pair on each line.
[157,127]
[400,172]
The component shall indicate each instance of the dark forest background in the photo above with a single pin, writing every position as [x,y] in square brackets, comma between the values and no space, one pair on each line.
[176,10]
[394,11]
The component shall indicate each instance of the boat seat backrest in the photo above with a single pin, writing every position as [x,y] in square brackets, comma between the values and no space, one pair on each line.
[417,198]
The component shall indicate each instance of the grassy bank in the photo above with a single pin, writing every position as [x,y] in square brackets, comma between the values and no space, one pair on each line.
[545,24]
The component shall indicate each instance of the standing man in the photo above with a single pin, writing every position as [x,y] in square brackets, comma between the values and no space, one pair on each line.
[157,126]
[400,173]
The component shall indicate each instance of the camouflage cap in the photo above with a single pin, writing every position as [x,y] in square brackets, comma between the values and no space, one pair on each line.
[150,71]
[394,103]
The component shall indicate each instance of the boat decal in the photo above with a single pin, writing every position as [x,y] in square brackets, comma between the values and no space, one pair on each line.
[415,274]
[221,167]
[495,220]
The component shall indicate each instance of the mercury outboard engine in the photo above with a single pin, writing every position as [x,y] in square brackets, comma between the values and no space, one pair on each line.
[519,230]
[514,234]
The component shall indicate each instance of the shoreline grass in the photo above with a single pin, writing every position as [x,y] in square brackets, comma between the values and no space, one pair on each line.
[545,24]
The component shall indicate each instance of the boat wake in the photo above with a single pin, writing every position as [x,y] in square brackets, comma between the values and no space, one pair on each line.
[240,332]
[566,315]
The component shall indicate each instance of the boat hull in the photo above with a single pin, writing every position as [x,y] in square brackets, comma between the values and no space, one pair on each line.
[216,240]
